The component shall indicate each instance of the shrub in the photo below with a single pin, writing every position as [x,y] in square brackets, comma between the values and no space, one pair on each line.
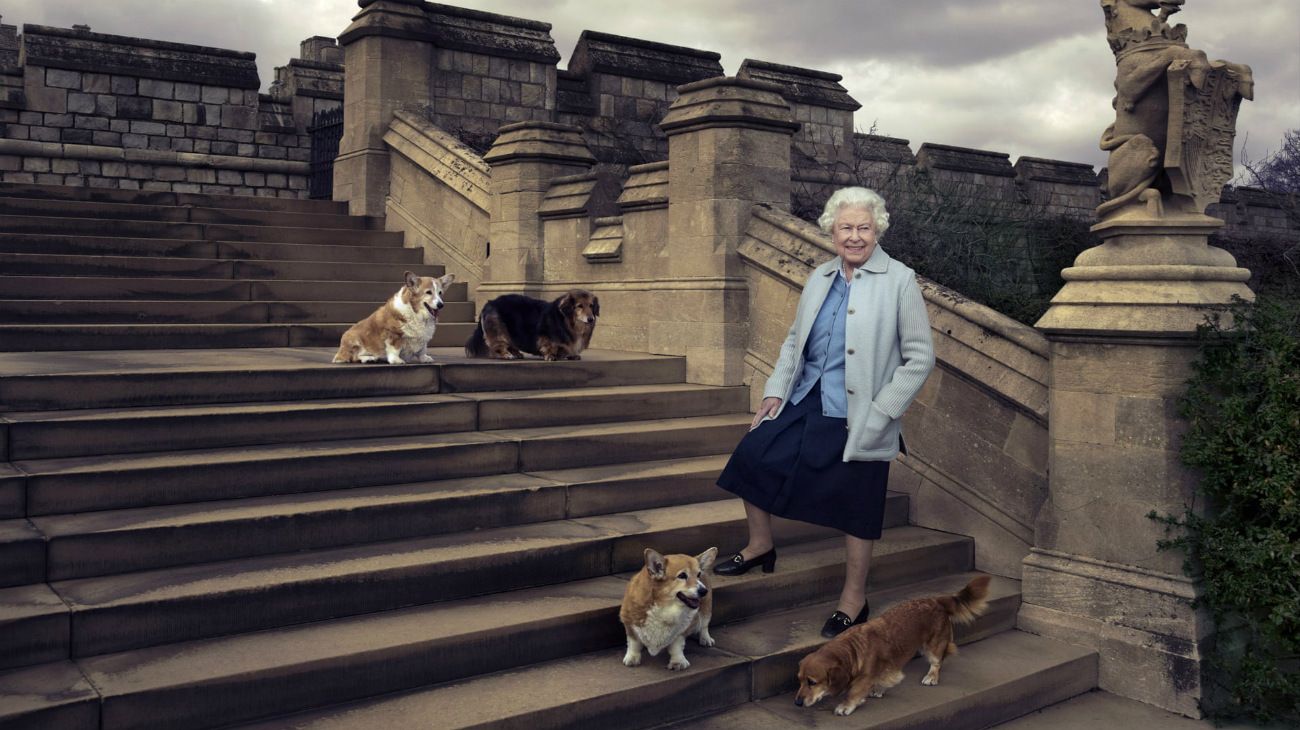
[1243,413]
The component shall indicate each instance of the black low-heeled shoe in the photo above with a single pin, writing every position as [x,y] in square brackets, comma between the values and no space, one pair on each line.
[839,622]
[737,565]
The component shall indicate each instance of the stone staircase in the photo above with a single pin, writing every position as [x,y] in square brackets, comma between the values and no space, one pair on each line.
[221,537]
[91,269]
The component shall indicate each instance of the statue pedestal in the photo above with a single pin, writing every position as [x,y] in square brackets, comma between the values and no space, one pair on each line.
[1122,336]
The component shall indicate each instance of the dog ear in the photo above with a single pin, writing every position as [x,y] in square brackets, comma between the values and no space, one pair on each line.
[567,303]
[706,558]
[412,281]
[447,280]
[595,306]
[654,563]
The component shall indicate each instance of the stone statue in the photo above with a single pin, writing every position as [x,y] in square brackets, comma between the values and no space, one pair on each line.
[1175,115]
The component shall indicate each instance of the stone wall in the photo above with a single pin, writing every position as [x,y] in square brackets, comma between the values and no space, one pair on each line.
[110,111]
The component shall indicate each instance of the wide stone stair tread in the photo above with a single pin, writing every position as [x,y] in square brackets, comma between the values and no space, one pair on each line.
[129,378]
[91,311]
[114,211]
[156,197]
[145,608]
[75,265]
[51,337]
[103,245]
[198,231]
[988,682]
[57,434]
[124,288]
[595,690]
[116,541]
[291,668]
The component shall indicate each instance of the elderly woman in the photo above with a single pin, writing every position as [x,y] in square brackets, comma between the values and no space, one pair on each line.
[821,442]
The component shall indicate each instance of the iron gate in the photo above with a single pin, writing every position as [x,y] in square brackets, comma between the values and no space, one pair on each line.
[326,130]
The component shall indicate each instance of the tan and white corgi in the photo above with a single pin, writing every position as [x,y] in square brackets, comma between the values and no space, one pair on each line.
[665,602]
[399,331]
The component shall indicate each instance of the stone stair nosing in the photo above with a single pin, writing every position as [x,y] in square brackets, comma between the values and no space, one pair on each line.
[163,288]
[595,690]
[101,245]
[72,337]
[90,311]
[33,381]
[222,214]
[44,265]
[251,675]
[200,231]
[153,197]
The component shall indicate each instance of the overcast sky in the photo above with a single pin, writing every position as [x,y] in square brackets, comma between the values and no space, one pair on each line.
[1015,76]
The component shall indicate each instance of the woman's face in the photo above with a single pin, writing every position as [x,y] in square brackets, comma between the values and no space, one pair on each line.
[854,234]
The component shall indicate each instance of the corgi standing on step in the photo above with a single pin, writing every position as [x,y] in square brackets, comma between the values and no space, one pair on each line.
[400,330]
[665,602]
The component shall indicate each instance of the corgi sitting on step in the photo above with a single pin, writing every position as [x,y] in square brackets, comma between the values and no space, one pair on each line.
[399,331]
[665,602]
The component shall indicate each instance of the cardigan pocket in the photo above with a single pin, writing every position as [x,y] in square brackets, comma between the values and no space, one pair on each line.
[876,433]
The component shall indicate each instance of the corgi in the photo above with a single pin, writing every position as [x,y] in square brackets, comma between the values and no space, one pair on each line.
[399,331]
[868,659]
[667,600]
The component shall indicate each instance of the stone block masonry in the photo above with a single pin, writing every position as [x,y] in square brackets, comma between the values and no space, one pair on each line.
[110,111]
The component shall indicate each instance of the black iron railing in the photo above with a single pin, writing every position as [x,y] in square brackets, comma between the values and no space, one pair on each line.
[326,130]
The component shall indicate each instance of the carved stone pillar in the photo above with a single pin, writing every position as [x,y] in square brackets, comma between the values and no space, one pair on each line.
[525,158]
[728,149]
[388,57]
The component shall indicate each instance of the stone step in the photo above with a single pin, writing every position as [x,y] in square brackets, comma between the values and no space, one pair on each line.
[56,337]
[13,490]
[87,484]
[32,264]
[294,668]
[55,696]
[160,288]
[989,682]
[114,211]
[22,553]
[120,541]
[57,434]
[182,248]
[150,608]
[35,627]
[112,311]
[153,197]
[197,231]
[116,379]
[595,690]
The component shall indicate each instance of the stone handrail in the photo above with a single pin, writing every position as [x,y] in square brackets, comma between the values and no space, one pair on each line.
[439,195]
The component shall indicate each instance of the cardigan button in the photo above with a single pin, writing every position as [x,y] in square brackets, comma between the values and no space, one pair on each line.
[850,311]
[850,352]
[858,275]
[850,391]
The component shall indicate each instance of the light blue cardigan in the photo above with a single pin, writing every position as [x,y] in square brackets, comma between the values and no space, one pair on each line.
[888,351]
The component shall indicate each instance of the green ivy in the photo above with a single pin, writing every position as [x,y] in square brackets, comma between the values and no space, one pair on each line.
[1243,412]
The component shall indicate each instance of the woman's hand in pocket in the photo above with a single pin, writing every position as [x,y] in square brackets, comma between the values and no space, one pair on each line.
[765,409]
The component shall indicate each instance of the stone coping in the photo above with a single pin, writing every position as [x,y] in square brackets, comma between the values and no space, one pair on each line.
[491,34]
[802,85]
[81,50]
[964,159]
[26,148]
[885,149]
[636,58]
[316,65]
[442,156]
[1056,171]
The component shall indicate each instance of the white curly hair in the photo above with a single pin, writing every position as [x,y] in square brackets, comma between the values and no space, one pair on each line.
[855,197]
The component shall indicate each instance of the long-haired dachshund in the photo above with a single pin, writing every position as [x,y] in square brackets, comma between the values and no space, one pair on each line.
[868,659]
[513,324]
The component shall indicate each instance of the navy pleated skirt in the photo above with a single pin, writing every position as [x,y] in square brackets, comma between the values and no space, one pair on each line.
[791,467]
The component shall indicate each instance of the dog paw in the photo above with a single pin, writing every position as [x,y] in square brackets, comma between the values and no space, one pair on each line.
[845,708]
[426,358]
[877,693]
[631,660]
[706,640]
[929,681]
[678,664]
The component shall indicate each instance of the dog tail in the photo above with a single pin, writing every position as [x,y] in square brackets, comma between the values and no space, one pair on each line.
[968,604]
[476,346]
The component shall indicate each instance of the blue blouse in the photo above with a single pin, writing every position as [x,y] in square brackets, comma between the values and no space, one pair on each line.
[823,354]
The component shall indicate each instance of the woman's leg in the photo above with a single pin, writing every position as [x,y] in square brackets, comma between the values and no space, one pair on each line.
[760,532]
[857,554]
